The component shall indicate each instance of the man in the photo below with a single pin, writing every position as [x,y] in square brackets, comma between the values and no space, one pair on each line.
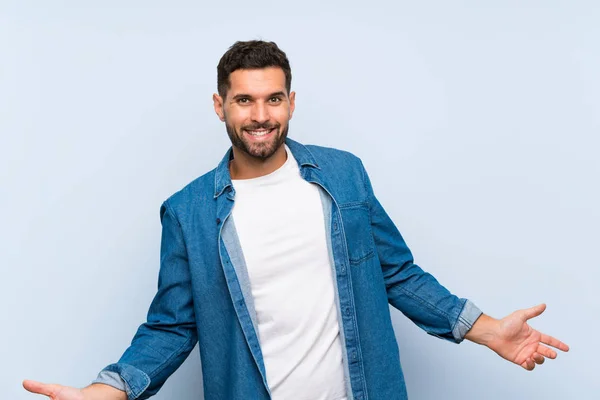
[281,263]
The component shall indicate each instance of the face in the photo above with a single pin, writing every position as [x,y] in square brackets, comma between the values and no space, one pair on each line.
[256,111]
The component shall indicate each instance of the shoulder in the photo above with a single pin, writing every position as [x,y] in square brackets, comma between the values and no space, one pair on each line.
[197,193]
[337,163]
[333,157]
[343,172]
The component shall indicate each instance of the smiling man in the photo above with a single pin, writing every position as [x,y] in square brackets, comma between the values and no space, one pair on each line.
[281,263]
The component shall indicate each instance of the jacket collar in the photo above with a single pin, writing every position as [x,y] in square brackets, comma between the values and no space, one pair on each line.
[223,179]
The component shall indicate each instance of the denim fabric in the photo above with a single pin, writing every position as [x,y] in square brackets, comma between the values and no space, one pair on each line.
[203,289]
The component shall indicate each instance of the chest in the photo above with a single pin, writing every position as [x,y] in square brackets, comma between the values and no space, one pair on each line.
[279,225]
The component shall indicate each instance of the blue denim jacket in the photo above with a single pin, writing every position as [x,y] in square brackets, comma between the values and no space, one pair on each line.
[204,291]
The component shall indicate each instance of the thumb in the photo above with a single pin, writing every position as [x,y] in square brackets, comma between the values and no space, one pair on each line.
[534,311]
[39,388]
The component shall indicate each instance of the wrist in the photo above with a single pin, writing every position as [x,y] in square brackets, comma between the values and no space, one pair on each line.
[100,391]
[483,331]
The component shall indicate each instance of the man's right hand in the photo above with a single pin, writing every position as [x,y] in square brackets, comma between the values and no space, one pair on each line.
[58,392]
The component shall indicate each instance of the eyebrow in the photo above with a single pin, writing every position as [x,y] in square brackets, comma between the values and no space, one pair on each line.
[247,96]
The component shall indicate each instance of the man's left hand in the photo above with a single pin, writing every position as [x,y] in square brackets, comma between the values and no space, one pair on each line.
[514,340]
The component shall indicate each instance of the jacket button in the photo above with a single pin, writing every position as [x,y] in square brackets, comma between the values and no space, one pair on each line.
[218,221]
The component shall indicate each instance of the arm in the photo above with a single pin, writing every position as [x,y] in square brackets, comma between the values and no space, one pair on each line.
[432,307]
[160,345]
[417,294]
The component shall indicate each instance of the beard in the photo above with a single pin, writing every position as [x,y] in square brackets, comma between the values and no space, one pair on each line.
[263,149]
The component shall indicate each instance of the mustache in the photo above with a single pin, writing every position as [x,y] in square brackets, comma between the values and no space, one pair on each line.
[257,126]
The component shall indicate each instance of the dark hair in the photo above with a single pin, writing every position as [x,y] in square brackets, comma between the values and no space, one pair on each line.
[253,54]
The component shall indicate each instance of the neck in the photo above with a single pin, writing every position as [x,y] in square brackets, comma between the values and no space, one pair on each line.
[244,166]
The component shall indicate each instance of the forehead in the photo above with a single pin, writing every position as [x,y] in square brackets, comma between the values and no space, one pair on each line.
[257,82]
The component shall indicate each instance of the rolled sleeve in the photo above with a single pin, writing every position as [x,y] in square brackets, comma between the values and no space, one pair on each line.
[126,378]
[467,317]
[111,379]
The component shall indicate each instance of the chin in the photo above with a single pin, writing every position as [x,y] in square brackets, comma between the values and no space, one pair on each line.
[262,152]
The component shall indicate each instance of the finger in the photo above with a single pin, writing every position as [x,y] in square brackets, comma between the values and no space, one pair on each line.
[534,311]
[38,387]
[549,340]
[546,352]
[538,358]
[528,364]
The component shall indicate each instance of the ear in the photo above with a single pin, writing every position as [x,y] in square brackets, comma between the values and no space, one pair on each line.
[218,104]
[292,103]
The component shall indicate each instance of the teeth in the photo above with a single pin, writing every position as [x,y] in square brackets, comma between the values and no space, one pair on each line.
[258,133]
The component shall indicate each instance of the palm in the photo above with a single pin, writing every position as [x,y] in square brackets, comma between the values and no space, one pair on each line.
[519,343]
[54,392]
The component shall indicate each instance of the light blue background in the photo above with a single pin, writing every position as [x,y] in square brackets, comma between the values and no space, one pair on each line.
[478,123]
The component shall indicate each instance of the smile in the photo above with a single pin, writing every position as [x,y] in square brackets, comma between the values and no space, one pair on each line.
[259,132]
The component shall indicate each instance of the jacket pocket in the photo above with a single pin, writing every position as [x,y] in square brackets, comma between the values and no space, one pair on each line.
[357,229]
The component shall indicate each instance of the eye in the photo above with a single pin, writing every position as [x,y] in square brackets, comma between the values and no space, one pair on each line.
[275,99]
[244,100]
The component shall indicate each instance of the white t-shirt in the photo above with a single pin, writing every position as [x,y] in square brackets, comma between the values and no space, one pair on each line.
[281,228]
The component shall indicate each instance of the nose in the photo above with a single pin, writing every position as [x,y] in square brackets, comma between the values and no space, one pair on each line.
[260,113]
